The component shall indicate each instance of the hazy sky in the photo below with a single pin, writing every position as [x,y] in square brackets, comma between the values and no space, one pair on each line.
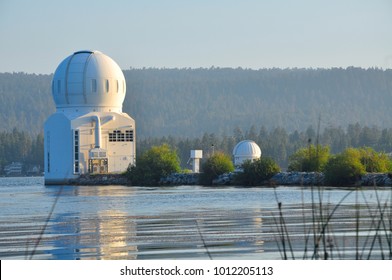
[35,35]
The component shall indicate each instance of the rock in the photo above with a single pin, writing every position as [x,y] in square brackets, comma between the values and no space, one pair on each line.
[100,179]
[224,179]
[282,178]
[180,179]
[375,179]
[298,178]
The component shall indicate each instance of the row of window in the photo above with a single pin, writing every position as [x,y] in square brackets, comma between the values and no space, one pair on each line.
[119,136]
[98,154]
[48,149]
[76,151]
[107,86]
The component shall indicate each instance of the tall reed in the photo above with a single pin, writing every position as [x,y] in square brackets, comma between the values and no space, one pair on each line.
[371,239]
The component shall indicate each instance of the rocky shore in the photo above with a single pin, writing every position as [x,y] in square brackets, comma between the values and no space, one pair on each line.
[100,179]
[309,179]
[376,179]
[282,178]
[181,179]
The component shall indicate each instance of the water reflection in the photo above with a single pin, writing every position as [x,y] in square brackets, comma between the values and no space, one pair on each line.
[102,232]
[115,235]
[117,222]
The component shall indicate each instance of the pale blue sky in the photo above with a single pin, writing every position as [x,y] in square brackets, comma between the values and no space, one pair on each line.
[35,35]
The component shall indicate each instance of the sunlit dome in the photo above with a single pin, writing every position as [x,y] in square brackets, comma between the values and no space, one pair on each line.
[88,79]
[246,150]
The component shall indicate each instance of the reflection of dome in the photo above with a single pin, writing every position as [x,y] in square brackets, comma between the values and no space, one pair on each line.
[88,79]
[246,150]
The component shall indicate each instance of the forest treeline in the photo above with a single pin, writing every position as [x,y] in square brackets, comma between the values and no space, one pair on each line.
[277,143]
[20,146]
[188,102]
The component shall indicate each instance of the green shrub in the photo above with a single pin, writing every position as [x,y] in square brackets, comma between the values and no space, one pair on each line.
[309,159]
[374,161]
[158,162]
[216,165]
[256,172]
[345,168]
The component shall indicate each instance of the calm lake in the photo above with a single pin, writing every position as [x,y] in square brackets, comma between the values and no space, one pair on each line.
[191,222]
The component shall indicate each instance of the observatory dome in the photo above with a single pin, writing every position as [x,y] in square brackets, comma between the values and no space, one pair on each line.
[246,150]
[88,79]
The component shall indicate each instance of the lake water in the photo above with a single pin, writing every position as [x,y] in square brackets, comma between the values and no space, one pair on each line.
[191,222]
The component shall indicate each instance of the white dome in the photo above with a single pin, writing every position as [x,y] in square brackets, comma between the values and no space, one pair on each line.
[246,150]
[88,79]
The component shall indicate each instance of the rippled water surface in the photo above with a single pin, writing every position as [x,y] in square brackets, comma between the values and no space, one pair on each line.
[191,222]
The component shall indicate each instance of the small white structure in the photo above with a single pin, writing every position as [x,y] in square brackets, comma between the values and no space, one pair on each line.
[196,155]
[245,150]
[88,133]
[13,169]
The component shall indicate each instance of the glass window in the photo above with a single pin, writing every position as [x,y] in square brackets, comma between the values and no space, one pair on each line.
[76,151]
[94,85]
[119,136]
[117,86]
[129,135]
[107,85]
[48,148]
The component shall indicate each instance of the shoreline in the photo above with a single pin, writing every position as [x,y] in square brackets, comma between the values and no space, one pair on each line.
[279,179]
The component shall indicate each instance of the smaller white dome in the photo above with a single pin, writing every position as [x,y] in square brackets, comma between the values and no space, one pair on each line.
[246,150]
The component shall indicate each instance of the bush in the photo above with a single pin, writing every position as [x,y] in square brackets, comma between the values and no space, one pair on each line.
[309,159]
[256,172]
[374,161]
[216,165]
[345,168]
[158,162]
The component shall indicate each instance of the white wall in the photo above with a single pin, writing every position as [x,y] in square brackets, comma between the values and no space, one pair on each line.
[58,149]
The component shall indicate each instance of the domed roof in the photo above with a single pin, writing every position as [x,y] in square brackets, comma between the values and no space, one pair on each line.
[247,148]
[88,79]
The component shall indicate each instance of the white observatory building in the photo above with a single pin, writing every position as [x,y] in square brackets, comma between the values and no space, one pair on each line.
[88,133]
[245,150]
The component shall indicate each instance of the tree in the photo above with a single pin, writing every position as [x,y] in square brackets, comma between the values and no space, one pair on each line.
[344,168]
[256,172]
[218,164]
[152,165]
[373,161]
[251,133]
[238,134]
[309,159]
[279,140]
[36,155]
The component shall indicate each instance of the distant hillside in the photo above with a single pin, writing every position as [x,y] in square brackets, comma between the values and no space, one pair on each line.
[189,102]
[25,101]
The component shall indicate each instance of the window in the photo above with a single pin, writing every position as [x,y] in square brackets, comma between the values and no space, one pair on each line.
[107,85]
[76,152]
[117,86]
[119,136]
[48,149]
[94,85]
[48,162]
[129,135]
